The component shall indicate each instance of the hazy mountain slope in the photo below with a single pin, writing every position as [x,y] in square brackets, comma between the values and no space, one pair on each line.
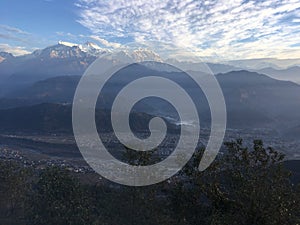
[63,59]
[5,56]
[278,99]
[58,60]
[205,67]
[58,118]
[289,74]
[252,99]
[37,118]
[258,64]
[58,89]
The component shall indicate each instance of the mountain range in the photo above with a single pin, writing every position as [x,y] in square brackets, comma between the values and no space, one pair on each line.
[66,59]
[57,118]
[254,98]
[289,74]
[63,59]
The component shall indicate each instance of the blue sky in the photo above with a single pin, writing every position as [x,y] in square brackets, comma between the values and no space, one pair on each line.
[225,29]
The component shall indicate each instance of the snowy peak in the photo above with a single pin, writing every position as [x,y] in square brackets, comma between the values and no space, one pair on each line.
[65,50]
[68,50]
[127,55]
[145,55]
[92,45]
[68,44]
[88,47]
[133,56]
[60,51]
[5,55]
[93,49]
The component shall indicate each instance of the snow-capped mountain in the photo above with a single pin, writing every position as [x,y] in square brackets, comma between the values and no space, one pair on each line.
[70,50]
[88,47]
[5,55]
[133,56]
[64,50]
[63,59]
[60,51]
[145,55]
[53,61]
[67,58]
[68,44]
[93,49]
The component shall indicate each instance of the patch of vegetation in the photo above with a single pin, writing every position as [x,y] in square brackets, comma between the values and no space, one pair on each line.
[244,186]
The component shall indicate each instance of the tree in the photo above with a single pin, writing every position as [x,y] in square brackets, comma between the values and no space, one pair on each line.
[14,184]
[249,187]
[58,198]
[243,186]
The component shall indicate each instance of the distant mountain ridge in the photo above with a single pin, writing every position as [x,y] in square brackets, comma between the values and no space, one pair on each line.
[88,47]
[53,118]
[259,64]
[289,74]
[58,60]
[5,56]
[63,59]
[252,99]
[69,59]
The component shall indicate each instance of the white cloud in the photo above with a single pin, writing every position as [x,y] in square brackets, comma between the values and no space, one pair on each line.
[82,37]
[105,42]
[13,34]
[11,29]
[296,20]
[226,28]
[15,50]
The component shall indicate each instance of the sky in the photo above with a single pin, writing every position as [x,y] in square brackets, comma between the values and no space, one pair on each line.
[221,29]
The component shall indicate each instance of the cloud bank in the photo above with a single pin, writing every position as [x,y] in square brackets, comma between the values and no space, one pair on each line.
[105,42]
[228,29]
[13,33]
[15,50]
